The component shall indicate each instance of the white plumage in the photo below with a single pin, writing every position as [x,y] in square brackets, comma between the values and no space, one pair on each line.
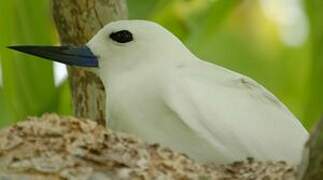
[158,90]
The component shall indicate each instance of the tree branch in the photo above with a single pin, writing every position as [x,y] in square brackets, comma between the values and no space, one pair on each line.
[77,21]
[312,166]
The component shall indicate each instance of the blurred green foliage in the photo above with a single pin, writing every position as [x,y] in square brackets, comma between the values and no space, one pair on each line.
[315,97]
[233,33]
[28,85]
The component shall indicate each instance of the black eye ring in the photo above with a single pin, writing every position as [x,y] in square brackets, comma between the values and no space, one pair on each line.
[122,36]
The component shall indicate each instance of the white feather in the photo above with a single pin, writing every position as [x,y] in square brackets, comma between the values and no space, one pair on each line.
[161,92]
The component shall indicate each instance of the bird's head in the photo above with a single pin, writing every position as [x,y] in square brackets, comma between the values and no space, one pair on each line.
[120,45]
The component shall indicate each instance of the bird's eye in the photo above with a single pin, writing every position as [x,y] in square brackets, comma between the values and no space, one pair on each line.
[122,36]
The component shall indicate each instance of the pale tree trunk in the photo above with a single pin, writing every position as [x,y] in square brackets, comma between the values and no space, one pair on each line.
[77,21]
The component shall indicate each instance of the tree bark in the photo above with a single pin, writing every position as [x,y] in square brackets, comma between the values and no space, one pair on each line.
[77,21]
[312,166]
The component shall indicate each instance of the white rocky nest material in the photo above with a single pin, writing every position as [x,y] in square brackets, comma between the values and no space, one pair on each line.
[53,147]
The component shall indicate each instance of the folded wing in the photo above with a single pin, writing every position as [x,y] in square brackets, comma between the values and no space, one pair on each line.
[235,114]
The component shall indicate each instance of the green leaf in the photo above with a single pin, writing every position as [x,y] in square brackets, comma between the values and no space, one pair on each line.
[28,83]
[140,9]
[314,107]
[4,111]
[64,99]
[207,23]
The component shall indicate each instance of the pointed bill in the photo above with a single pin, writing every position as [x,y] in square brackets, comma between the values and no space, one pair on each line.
[75,56]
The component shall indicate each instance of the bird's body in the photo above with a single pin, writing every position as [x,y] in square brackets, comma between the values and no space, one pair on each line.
[209,113]
[158,90]
[165,94]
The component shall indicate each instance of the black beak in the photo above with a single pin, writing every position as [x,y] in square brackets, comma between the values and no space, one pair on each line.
[77,56]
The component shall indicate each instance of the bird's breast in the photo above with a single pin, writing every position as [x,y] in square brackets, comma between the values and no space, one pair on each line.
[137,107]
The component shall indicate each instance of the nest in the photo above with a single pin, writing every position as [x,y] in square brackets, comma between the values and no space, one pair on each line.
[54,147]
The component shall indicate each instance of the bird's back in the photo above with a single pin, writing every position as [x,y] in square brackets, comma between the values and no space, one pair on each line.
[235,114]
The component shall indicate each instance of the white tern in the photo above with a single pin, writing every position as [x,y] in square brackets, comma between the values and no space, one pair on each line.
[158,90]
